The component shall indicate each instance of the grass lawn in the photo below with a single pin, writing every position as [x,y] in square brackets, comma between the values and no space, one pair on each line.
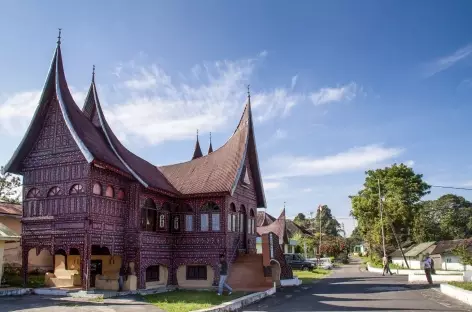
[310,276]
[34,281]
[189,300]
[463,285]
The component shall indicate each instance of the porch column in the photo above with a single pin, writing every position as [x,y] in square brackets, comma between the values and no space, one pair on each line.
[85,265]
[24,265]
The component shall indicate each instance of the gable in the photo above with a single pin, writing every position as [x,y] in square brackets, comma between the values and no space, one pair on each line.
[54,140]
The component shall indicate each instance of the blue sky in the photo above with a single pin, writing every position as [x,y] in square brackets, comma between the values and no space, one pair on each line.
[338,87]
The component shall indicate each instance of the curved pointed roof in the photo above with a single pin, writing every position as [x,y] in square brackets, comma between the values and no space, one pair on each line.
[198,151]
[90,141]
[220,171]
[277,227]
[210,148]
[147,174]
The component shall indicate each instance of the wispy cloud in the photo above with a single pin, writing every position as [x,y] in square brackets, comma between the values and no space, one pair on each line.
[294,82]
[280,134]
[337,94]
[271,185]
[276,102]
[447,61]
[17,109]
[353,159]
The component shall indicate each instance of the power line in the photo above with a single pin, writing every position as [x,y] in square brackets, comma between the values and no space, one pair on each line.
[452,187]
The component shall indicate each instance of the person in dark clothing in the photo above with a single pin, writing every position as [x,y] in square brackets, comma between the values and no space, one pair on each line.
[120,278]
[223,276]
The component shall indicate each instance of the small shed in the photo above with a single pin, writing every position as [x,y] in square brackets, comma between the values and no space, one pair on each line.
[416,254]
[444,258]
[7,235]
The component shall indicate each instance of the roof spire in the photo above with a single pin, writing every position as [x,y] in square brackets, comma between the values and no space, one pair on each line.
[198,151]
[249,93]
[93,73]
[59,37]
[210,149]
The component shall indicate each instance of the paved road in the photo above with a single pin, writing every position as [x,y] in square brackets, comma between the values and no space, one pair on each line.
[59,304]
[349,289]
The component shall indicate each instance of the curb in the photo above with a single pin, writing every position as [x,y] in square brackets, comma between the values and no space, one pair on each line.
[460,294]
[15,292]
[240,302]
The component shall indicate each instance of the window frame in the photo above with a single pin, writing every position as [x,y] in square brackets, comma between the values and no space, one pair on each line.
[154,272]
[192,273]
[189,226]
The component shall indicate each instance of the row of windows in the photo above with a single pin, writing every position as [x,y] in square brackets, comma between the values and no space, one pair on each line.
[77,189]
[153,218]
[193,272]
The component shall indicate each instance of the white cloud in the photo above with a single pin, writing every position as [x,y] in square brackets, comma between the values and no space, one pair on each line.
[280,134]
[263,53]
[409,163]
[353,159]
[307,190]
[16,110]
[274,103]
[294,82]
[270,185]
[447,61]
[337,94]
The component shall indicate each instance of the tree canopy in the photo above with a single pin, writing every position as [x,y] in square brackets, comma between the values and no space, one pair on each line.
[329,224]
[448,217]
[401,190]
[9,185]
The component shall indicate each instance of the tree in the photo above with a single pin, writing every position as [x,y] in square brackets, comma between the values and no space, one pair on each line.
[332,245]
[355,239]
[329,224]
[463,252]
[301,220]
[401,189]
[9,185]
[448,217]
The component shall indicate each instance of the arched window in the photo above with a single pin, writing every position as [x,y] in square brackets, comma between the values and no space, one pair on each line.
[97,188]
[210,210]
[54,191]
[76,189]
[252,222]
[110,192]
[162,221]
[121,194]
[187,209]
[231,217]
[33,193]
[148,215]
[242,218]
[176,223]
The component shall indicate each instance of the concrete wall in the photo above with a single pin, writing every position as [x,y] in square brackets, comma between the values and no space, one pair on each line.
[163,278]
[12,254]
[183,282]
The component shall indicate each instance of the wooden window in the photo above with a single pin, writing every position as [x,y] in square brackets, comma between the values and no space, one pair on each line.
[97,188]
[241,222]
[76,189]
[33,193]
[215,221]
[149,215]
[230,222]
[54,191]
[152,273]
[204,222]
[235,222]
[176,223]
[162,221]
[196,272]
[121,194]
[110,192]
[189,223]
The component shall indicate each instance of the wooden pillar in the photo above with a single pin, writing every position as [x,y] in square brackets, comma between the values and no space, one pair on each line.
[24,264]
[85,264]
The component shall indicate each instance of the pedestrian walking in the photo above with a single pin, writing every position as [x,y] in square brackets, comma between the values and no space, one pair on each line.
[386,266]
[223,276]
[120,278]
[428,264]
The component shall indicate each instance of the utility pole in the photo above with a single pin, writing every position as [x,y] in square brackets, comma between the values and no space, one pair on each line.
[344,232]
[319,211]
[381,219]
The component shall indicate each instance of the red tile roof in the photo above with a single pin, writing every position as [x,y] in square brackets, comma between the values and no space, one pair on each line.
[263,218]
[10,209]
[216,172]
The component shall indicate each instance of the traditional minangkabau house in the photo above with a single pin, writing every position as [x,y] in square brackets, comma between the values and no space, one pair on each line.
[96,206]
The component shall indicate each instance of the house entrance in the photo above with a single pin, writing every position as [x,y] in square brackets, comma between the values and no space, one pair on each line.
[95,269]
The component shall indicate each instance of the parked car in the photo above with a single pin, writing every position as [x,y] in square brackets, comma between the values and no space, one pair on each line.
[323,263]
[298,262]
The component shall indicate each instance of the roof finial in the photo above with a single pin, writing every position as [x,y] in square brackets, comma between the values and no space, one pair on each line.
[210,137]
[59,37]
[93,73]
[249,92]
[197,134]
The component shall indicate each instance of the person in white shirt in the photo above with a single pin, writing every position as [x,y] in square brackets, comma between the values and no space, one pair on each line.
[427,264]
[386,266]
